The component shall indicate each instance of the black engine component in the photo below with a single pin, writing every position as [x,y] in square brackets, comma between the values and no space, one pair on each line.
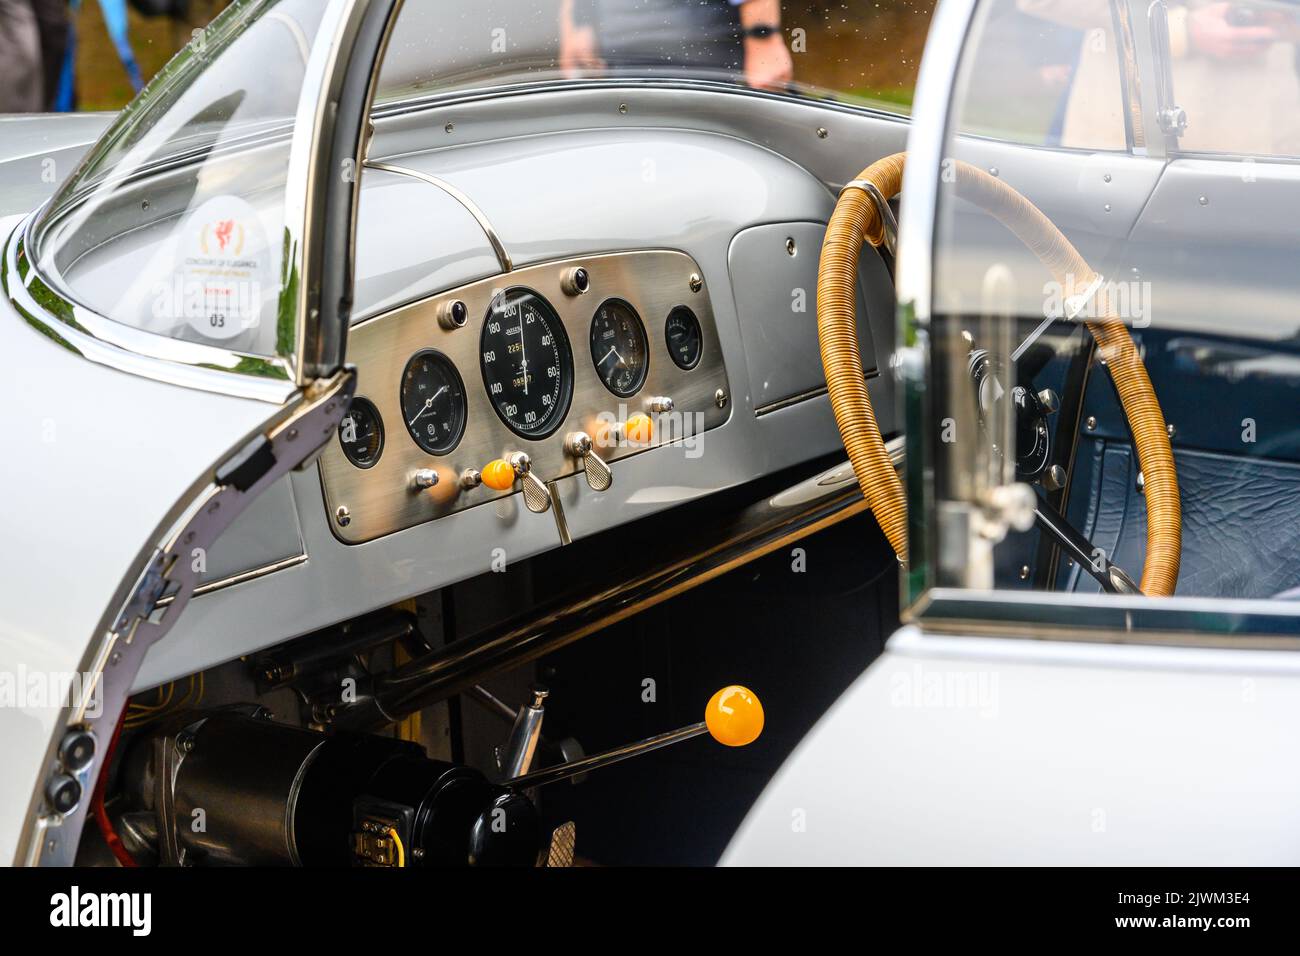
[230,787]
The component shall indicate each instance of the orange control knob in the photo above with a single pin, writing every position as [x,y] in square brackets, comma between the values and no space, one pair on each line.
[639,429]
[498,475]
[734,716]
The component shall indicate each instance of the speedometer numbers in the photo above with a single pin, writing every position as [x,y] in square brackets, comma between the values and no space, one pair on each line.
[527,363]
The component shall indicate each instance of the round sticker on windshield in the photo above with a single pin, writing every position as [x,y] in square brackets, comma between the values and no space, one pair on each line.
[225,265]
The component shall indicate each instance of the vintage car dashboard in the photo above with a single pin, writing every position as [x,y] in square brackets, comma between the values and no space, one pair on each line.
[503,386]
[691,361]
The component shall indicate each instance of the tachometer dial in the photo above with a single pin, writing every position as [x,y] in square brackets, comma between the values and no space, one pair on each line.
[619,347]
[361,433]
[433,402]
[685,341]
[527,363]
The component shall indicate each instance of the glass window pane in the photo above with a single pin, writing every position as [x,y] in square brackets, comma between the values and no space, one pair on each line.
[1045,73]
[865,53]
[174,223]
[1096,317]
[1234,74]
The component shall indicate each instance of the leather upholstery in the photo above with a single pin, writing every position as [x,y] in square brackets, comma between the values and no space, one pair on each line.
[1240,519]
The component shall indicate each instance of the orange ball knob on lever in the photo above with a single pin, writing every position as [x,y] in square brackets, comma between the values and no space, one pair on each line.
[734,716]
[499,475]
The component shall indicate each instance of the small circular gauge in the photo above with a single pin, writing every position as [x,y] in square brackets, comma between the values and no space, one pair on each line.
[619,348]
[685,341]
[527,363]
[361,433]
[433,402]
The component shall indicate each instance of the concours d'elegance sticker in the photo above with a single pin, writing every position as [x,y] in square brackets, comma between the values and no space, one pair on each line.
[225,260]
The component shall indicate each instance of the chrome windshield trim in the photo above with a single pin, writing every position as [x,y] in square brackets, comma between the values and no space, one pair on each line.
[415,103]
[471,207]
[159,357]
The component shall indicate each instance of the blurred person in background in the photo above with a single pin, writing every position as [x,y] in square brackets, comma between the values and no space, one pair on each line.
[1233,65]
[33,43]
[22,84]
[734,38]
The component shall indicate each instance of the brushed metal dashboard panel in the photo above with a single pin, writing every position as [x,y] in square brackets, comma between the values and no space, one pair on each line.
[381,499]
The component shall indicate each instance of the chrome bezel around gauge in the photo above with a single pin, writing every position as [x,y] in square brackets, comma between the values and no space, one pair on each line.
[684,313]
[455,402]
[548,376]
[365,407]
[637,365]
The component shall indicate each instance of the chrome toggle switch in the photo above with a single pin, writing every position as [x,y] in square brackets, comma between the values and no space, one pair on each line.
[536,495]
[580,446]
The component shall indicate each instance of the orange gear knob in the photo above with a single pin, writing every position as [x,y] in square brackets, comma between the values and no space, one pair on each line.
[498,475]
[734,716]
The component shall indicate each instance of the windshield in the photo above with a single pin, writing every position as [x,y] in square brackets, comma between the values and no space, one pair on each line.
[174,223]
[1124,346]
[863,53]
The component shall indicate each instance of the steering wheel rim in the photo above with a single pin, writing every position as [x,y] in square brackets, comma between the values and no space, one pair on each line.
[855,221]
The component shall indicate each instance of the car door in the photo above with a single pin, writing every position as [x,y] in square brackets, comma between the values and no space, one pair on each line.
[1035,709]
[174,324]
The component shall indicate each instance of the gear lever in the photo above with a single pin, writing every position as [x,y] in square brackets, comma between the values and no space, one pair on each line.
[734,717]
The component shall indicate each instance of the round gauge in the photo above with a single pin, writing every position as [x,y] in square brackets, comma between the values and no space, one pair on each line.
[433,402]
[685,341]
[527,363]
[361,433]
[619,348]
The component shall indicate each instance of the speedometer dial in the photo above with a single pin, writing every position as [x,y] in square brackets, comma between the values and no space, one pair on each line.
[619,348]
[527,363]
[433,402]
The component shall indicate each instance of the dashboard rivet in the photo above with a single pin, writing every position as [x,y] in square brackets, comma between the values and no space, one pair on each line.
[790,247]
[1024,572]
[1091,423]
[622,107]
[696,282]
[343,516]
[720,398]
[822,132]
[449,128]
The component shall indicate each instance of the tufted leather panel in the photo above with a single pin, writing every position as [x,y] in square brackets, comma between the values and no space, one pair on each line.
[1241,519]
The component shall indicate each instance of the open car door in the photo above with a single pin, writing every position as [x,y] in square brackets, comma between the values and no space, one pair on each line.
[175,321]
[1095,273]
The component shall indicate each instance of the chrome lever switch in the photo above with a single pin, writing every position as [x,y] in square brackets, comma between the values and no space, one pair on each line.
[580,446]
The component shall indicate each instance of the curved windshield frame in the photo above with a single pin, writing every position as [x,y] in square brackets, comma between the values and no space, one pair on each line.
[946,297]
[179,236]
